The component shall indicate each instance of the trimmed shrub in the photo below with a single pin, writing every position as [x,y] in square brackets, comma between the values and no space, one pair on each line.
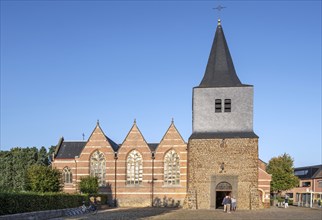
[11,202]
[89,184]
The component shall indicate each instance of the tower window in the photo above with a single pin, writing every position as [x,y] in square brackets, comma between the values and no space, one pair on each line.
[218,105]
[227,105]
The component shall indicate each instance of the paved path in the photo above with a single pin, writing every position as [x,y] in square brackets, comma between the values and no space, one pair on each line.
[292,213]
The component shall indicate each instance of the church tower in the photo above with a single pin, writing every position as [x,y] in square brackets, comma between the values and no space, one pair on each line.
[223,149]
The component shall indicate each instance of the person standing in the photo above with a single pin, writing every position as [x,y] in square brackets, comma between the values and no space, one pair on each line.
[286,202]
[233,203]
[228,204]
[224,202]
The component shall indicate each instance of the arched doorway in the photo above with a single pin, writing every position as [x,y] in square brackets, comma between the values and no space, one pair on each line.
[222,189]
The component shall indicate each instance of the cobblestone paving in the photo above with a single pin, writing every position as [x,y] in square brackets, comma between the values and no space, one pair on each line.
[292,213]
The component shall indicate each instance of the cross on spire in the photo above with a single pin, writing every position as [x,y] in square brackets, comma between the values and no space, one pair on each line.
[219,8]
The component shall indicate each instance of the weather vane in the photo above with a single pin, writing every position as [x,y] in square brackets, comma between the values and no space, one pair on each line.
[219,8]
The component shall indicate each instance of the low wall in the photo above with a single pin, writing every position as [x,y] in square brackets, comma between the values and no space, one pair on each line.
[38,215]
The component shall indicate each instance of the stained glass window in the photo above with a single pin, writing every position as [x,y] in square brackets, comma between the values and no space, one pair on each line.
[67,175]
[171,168]
[98,167]
[134,172]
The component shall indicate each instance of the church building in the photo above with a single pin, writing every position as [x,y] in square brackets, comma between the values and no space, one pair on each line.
[220,158]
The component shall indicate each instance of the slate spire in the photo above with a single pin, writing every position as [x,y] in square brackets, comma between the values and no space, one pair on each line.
[220,71]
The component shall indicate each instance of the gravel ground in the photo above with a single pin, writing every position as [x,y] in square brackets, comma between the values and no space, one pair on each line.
[292,213]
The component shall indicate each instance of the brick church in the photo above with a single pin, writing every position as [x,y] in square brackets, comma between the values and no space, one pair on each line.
[220,157]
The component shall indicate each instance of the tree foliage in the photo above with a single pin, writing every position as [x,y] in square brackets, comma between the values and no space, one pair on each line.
[14,165]
[44,179]
[51,150]
[282,171]
[43,157]
[89,184]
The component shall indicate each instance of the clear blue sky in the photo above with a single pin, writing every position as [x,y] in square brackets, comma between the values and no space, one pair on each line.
[65,64]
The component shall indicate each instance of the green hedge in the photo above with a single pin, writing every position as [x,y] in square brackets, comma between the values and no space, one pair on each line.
[12,202]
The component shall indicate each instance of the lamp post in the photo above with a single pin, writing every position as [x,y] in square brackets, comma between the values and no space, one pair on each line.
[76,157]
[115,178]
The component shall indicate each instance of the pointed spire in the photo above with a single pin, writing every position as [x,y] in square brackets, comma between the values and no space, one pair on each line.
[134,122]
[220,70]
[98,122]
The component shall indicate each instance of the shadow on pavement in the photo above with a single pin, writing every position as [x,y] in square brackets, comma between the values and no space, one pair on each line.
[127,213]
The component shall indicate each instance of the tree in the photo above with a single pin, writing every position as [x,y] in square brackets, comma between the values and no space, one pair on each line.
[282,171]
[6,171]
[51,150]
[43,157]
[44,179]
[89,184]
[15,163]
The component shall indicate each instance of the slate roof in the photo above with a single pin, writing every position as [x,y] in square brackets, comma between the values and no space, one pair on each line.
[220,70]
[309,172]
[114,145]
[222,135]
[153,146]
[70,149]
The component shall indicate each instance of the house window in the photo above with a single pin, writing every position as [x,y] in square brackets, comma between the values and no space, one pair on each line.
[300,172]
[67,175]
[171,168]
[306,184]
[320,184]
[134,172]
[227,105]
[98,167]
[218,105]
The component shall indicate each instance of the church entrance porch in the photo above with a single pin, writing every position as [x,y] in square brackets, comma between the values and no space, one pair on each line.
[220,195]
[222,185]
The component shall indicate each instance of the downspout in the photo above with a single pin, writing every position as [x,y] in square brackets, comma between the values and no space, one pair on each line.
[115,180]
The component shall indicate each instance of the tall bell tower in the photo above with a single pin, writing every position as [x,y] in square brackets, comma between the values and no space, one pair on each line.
[223,148]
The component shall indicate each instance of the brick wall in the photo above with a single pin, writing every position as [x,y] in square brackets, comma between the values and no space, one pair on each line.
[240,159]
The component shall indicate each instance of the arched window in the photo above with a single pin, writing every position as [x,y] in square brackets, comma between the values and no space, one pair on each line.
[171,168]
[67,175]
[134,172]
[98,167]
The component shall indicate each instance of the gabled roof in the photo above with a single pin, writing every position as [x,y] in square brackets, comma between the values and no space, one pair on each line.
[135,127]
[220,70]
[70,149]
[309,172]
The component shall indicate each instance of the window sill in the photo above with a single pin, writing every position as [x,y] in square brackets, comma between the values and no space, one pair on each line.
[172,186]
[133,185]
[68,184]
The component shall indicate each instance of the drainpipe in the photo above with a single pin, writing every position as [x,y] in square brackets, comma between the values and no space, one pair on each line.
[115,159]
[76,157]
[311,199]
[152,183]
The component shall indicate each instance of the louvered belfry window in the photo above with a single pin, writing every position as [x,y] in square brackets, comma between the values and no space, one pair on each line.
[98,167]
[171,168]
[218,105]
[134,172]
[227,105]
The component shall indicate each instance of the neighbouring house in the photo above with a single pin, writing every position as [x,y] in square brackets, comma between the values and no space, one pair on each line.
[310,185]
